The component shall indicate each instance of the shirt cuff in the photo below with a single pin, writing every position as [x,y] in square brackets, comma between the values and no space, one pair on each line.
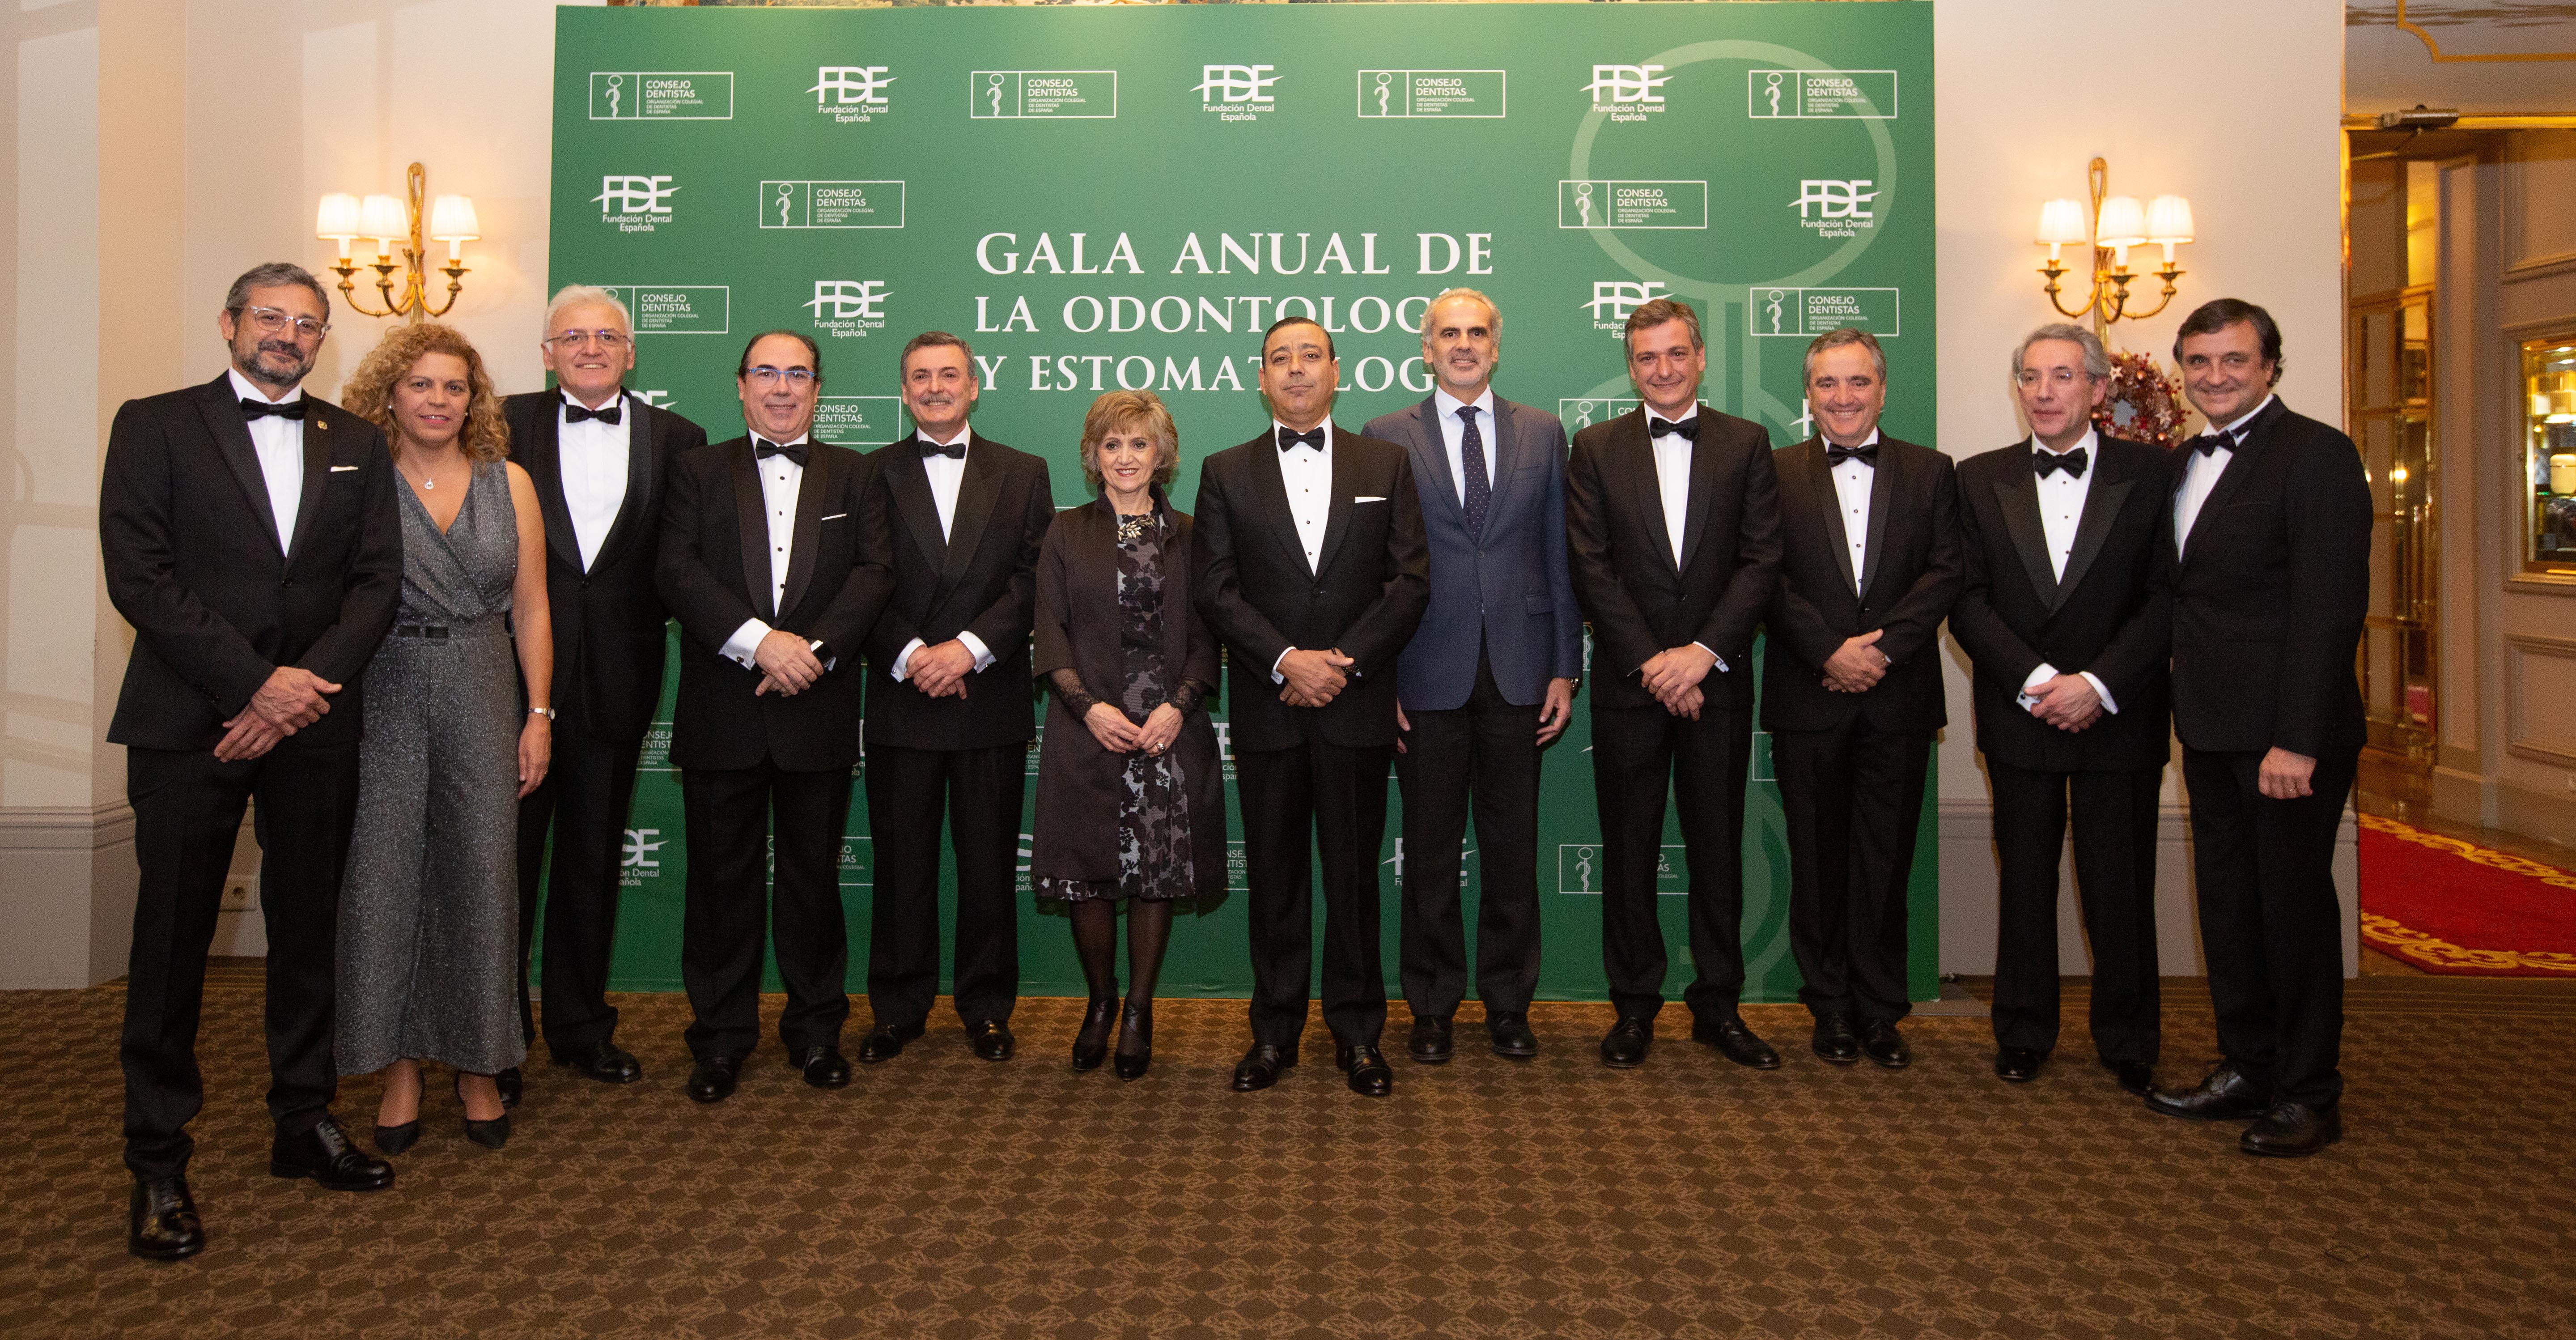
[744,642]
[2103,691]
[983,655]
[1275,676]
[2042,675]
[1712,655]
[903,660]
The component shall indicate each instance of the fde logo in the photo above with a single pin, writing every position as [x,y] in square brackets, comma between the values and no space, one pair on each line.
[1627,92]
[1237,92]
[635,203]
[848,93]
[848,307]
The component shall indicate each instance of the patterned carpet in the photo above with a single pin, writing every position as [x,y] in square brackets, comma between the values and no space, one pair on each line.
[942,1196]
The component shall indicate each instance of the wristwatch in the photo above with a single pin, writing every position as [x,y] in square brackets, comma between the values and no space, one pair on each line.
[547,712]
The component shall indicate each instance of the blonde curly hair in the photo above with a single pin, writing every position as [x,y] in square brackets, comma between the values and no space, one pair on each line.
[369,392]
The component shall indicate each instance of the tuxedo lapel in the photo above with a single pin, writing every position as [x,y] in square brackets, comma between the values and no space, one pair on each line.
[542,457]
[1647,489]
[1337,516]
[910,485]
[1882,492]
[232,438]
[1270,495]
[635,510]
[2102,505]
[2240,462]
[1820,477]
[976,489]
[812,491]
[2017,494]
[751,516]
[317,474]
[1703,481]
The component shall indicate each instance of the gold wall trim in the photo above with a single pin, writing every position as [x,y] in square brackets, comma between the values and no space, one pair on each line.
[2436,47]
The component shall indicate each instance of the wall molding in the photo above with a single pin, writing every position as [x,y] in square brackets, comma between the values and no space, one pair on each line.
[2518,739]
[2540,267]
[65,827]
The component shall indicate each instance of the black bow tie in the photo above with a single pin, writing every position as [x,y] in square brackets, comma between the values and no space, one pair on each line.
[2207,444]
[762,449]
[955,451]
[608,414]
[2047,463]
[290,409]
[1312,437]
[1688,428]
[1835,455]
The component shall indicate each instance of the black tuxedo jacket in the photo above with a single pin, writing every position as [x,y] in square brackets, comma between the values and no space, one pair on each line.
[190,549]
[714,574]
[608,621]
[1915,569]
[1365,596]
[1639,601]
[2269,594]
[982,580]
[2112,615]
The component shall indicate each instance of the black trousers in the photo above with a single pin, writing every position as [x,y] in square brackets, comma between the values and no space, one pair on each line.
[2270,926]
[1853,795]
[187,816]
[584,799]
[2115,882]
[1334,798]
[978,793]
[1485,753]
[731,901]
[1639,756]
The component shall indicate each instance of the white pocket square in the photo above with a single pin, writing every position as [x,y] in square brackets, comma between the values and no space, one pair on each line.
[1357,501]
[833,517]
[338,468]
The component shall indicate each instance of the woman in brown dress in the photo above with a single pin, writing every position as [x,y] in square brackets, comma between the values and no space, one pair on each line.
[1131,805]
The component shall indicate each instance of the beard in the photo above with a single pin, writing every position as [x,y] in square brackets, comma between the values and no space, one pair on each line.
[262,363]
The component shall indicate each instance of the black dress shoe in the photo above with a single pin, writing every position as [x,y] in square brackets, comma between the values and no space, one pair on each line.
[2017,1065]
[1431,1043]
[1835,1041]
[396,1139]
[991,1039]
[824,1067]
[508,1082]
[1736,1042]
[603,1060]
[1135,1040]
[1511,1035]
[1624,1047]
[1884,1046]
[1260,1067]
[2138,1077]
[325,1155]
[1091,1045]
[885,1044]
[2292,1131]
[712,1079]
[2224,1094]
[161,1220]
[1369,1074]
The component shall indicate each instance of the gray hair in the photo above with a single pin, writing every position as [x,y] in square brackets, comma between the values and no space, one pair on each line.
[1837,338]
[2097,360]
[1447,293]
[582,295]
[275,274]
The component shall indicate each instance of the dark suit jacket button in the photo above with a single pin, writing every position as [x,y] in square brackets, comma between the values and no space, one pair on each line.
[286,581]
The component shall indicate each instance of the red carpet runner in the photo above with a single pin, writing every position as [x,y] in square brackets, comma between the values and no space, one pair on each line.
[2449,906]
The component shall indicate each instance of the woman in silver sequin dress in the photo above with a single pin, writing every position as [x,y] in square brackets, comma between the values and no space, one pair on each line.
[429,907]
[1131,806]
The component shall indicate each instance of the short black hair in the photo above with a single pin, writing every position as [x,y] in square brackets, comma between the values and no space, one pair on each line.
[1286,321]
[2218,314]
[742,368]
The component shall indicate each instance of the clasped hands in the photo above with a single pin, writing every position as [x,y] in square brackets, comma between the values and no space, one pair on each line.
[1673,675]
[1313,678]
[2068,702]
[788,665]
[941,671]
[1857,665]
[291,699]
[1118,735]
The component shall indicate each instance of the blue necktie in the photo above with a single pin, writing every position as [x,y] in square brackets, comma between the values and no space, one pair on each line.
[1471,454]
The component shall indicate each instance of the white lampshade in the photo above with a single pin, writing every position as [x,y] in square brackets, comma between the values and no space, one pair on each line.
[2061,223]
[451,219]
[337,219]
[2169,219]
[383,216]
[2123,223]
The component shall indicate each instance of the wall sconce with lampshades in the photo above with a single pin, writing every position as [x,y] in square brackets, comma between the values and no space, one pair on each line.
[396,226]
[2113,225]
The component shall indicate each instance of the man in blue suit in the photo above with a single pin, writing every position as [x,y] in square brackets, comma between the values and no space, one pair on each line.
[1487,681]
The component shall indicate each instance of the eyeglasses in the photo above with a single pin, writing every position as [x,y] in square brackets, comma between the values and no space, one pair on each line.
[795,378]
[611,340]
[2056,376]
[269,321]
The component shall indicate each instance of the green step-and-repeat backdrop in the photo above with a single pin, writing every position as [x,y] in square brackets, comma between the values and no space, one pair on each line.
[1100,198]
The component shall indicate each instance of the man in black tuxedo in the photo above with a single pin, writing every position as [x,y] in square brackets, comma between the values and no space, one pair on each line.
[950,705]
[770,561]
[600,459]
[1487,681]
[2066,615]
[248,532]
[1851,689]
[2271,536]
[1673,517]
[1314,574]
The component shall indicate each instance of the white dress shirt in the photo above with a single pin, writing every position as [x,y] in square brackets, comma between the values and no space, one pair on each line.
[946,475]
[591,457]
[2200,475]
[1453,436]
[1853,478]
[1672,483]
[781,478]
[280,445]
[2061,514]
[1307,474]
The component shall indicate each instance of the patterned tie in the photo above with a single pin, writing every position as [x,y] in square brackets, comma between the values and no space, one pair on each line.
[1480,490]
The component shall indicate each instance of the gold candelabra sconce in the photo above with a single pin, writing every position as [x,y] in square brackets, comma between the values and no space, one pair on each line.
[396,225]
[2106,232]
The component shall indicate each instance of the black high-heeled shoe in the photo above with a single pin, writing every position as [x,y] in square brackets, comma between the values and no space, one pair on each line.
[490,1134]
[395,1139]
[1137,1022]
[1091,1045]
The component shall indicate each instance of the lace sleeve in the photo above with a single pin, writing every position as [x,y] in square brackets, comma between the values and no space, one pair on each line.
[1188,696]
[1068,689]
